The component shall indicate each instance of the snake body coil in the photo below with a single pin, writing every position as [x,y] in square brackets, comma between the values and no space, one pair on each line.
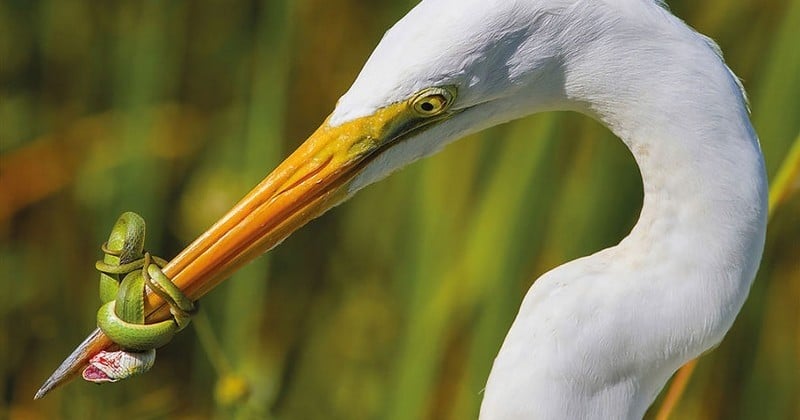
[121,316]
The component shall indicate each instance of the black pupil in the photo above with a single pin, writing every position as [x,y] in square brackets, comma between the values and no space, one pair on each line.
[427,106]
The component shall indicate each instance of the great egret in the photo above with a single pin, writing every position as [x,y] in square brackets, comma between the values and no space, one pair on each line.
[597,337]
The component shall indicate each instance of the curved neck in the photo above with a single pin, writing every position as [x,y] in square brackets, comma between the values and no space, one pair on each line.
[672,288]
[683,115]
[633,314]
[705,196]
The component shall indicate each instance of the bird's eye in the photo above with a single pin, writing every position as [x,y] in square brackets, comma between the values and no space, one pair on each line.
[433,101]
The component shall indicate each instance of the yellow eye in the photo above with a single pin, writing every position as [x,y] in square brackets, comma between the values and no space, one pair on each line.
[433,101]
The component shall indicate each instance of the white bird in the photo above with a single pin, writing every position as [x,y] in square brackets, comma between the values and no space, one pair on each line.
[600,336]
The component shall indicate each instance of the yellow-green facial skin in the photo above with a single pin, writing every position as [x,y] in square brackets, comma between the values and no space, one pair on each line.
[358,139]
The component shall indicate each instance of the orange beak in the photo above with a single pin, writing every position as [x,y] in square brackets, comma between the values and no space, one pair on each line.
[309,182]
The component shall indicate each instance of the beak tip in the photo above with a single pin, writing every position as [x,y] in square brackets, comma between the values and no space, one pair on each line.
[48,385]
[74,363]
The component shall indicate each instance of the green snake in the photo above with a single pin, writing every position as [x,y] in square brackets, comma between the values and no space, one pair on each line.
[121,316]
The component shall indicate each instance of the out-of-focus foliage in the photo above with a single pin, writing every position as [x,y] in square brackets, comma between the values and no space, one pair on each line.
[391,306]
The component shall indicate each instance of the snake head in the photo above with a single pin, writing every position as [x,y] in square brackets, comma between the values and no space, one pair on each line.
[127,237]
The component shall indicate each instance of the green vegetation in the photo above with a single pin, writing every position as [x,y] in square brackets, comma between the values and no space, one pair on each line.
[390,306]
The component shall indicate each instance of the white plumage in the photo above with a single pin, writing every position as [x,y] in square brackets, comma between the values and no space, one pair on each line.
[597,337]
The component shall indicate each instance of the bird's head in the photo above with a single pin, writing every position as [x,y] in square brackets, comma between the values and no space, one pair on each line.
[448,69]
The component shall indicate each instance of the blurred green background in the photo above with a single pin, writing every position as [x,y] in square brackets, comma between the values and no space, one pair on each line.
[390,306]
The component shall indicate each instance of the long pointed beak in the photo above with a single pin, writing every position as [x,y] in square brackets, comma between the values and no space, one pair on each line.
[309,182]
